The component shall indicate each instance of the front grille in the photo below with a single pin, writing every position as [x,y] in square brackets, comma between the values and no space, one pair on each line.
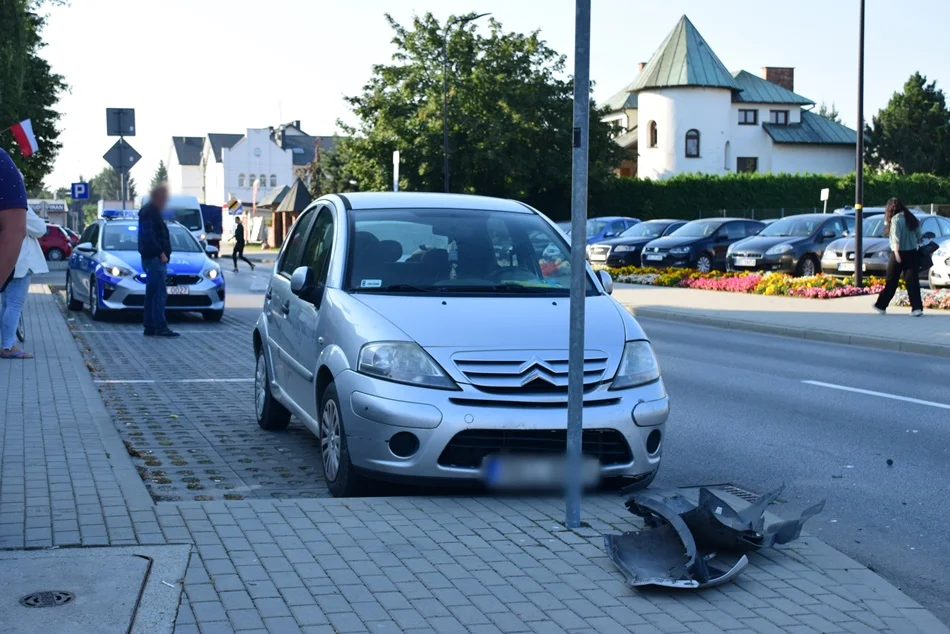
[600,251]
[655,250]
[467,449]
[746,254]
[172,301]
[181,280]
[527,372]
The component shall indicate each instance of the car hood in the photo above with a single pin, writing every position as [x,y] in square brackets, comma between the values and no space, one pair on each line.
[870,244]
[764,243]
[668,242]
[499,323]
[178,263]
[637,242]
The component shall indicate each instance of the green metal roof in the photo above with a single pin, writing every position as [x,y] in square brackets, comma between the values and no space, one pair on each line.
[684,59]
[813,130]
[757,90]
[623,99]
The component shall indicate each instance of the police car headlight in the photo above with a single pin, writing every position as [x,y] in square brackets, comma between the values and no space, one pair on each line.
[120,271]
[213,274]
[203,236]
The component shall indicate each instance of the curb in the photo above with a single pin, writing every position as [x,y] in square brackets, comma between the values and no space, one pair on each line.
[935,350]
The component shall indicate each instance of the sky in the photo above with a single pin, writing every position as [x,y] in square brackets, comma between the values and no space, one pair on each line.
[190,67]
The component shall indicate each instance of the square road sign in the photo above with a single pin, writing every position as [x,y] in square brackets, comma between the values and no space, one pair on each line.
[120,121]
[80,191]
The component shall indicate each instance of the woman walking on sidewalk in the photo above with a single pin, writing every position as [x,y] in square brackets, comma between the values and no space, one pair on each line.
[31,261]
[239,245]
[904,231]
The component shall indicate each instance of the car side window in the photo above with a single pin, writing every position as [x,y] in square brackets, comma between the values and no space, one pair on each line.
[929,225]
[849,225]
[320,246]
[94,234]
[752,228]
[944,225]
[293,246]
[837,226]
[673,227]
[617,227]
[735,230]
[87,234]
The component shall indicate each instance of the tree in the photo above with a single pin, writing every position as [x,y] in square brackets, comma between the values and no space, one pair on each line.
[29,89]
[829,113]
[106,186]
[160,176]
[912,133]
[329,172]
[510,117]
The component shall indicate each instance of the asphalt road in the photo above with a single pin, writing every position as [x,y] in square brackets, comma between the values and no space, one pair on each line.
[744,414]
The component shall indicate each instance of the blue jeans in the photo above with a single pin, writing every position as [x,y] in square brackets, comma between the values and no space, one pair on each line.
[155,295]
[13,300]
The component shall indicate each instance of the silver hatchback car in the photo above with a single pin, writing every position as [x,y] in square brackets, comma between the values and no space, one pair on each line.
[425,336]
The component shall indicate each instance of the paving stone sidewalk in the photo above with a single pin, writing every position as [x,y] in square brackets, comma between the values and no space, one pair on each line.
[399,564]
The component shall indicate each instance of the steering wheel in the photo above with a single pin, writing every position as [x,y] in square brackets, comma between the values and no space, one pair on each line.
[520,274]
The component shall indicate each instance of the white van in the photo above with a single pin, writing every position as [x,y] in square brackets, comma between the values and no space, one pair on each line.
[186,211]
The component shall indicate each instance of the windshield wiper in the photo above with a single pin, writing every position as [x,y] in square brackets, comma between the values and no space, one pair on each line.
[505,287]
[393,288]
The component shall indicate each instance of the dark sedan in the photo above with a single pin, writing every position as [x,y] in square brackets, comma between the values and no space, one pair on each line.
[792,245]
[624,250]
[699,244]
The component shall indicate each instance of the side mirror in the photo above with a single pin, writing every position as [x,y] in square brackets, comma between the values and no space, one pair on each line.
[929,235]
[828,234]
[610,234]
[303,285]
[210,250]
[86,247]
[606,281]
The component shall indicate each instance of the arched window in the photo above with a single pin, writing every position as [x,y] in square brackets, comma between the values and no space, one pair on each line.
[273,180]
[241,180]
[652,131]
[263,181]
[692,144]
[727,162]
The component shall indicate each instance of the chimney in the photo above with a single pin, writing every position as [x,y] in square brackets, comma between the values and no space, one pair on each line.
[297,123]
[783,76]
[641,66]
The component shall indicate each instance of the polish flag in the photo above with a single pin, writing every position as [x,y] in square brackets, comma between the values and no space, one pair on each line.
[23,132]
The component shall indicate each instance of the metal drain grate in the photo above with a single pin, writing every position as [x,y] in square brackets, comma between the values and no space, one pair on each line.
[47,599]
[741,493]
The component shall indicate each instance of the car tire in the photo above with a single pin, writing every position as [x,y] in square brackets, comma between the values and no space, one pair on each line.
[71,302]
[807,266]
[271,415]
[55,255]
[704,263]
[342,480]
[95,311]
[213,315]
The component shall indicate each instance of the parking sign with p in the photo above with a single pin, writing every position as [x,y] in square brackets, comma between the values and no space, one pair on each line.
[80,191]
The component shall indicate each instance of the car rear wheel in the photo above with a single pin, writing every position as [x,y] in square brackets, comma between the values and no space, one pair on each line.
[271,415]
[95,311]
[807,266]
[704,263]
[71,302]
[213,315]
[55,255]
[337,468]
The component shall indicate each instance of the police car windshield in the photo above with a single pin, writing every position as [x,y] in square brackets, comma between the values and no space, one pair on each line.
[125,237]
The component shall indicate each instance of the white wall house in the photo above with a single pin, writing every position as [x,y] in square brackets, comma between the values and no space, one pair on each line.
[184,166]
[686,112]
[256,158]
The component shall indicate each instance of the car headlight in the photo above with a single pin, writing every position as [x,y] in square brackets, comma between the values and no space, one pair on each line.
[213,274]
[403,362]
[119,271]
[679,250]
[623,248]
[637,366]
[881,255]
[779,249]
[202,236]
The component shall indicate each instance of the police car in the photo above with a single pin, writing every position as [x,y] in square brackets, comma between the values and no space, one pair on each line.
[105,271]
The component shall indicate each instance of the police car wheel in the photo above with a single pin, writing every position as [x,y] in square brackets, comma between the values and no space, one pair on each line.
[95,311]
[71,302]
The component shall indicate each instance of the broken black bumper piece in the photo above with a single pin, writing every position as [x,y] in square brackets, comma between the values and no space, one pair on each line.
[687,545]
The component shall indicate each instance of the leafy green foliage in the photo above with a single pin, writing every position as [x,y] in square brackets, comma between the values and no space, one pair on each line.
[829,112]
[510,117]
[911,134]
[29,89]
[160,176]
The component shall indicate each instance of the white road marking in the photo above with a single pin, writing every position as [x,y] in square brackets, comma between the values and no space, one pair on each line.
[893,397]
[175,381]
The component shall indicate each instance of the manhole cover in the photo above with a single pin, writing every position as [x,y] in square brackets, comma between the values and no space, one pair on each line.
[47,599]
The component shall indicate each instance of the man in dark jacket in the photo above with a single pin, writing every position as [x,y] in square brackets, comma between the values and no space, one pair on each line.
[155,248]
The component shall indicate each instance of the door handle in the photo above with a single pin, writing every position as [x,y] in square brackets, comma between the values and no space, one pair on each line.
[285,307]
[268,294]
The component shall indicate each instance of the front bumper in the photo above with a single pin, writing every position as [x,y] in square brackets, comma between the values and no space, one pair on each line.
[129,294]
[619,260]
[839,267]
[784,263]
[667,260]
[374,411]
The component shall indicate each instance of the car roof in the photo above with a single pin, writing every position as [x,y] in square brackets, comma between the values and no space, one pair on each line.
[429,200]
[807,216]
[667,220]
[612,218]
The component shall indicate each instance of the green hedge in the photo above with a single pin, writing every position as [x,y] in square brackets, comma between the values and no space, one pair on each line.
[688,195]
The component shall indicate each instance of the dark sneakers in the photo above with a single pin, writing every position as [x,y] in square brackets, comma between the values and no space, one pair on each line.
[167,333]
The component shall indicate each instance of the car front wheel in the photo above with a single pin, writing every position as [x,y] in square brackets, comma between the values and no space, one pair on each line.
[704,263]
[271,415]
[72,303]
[337,468]
[95,311]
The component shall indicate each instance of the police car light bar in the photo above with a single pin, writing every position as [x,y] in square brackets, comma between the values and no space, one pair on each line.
[120,214]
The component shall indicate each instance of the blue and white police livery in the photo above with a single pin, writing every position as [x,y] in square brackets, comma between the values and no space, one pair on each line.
[105,271]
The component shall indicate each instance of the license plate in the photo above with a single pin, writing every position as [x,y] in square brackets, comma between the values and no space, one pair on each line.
[598,257]
[745,261]
[653,257]
[846,266]
[534,472]
[177,290]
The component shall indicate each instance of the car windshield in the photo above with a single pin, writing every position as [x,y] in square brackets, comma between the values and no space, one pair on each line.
[594,227]
[125,237]
[447,251]
[190,218]
[645,230]
[873,227]
[697,229]
[791,227]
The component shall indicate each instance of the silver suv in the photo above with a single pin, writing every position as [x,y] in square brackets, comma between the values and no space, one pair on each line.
[426,335]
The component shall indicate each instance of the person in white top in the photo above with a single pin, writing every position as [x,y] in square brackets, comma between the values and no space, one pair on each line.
[30,261]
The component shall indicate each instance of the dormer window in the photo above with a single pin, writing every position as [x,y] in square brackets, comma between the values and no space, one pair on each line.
[778,117]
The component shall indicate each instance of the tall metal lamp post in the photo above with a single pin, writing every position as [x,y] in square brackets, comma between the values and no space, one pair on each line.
[453,21]
[859,161]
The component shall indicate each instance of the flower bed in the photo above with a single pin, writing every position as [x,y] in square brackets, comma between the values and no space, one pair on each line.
[776,284]
[939,299]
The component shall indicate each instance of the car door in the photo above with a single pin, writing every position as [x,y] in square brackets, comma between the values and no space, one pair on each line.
[277,299]
[303,319]
[836,226]
[733,232]
[86,261]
